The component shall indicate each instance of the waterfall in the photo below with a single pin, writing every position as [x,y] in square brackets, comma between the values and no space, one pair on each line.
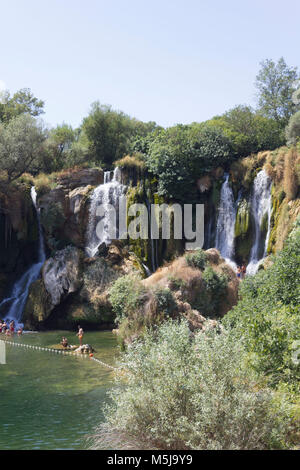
[147,270]
[261,208]
[106,195]
[19,293]
[226,222]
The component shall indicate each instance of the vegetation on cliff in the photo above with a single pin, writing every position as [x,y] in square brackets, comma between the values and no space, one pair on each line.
[234,386]
[195,286]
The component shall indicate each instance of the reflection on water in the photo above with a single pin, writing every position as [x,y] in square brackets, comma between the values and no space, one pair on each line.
[50,401]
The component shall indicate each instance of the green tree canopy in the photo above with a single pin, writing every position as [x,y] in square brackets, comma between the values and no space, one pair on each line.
[248,131]
[180,154]
[110,133]
[22,102]
[21,146]
[275,83]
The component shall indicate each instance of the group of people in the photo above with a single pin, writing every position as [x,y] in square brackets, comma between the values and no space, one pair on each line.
[9,328]
[241,271]
[64,342]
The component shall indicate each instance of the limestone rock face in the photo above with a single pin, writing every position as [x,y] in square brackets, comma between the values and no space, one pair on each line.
[18,234]
[70,180]
[65,209]
[76,199]
[61,274]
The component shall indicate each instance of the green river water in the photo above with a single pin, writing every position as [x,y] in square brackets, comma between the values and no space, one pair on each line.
[53,401]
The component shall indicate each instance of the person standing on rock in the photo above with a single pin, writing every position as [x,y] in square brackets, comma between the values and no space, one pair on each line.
[80,334]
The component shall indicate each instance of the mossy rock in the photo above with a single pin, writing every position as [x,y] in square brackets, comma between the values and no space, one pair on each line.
[243,232]
[37,307]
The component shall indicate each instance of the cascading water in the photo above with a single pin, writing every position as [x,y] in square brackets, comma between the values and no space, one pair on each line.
[105,195]
[261,208]
[17,299]
[225,223]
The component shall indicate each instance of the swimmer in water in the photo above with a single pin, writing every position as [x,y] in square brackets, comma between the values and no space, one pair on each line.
[64,342]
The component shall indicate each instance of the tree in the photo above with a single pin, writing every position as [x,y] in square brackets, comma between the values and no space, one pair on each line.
[21,146]
[22,102]
[181,154]
[276,85]
[111,133]
[248,131]
[292,130]
[57,147]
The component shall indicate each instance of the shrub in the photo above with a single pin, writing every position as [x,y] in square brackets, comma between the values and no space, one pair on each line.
[215,285]
[126,296]
[175,391]
[26,178]
[267,315]
[165,301]
[43,183]
[197,260]
[131,162]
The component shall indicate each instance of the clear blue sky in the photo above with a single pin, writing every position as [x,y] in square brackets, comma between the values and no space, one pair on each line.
[169,61]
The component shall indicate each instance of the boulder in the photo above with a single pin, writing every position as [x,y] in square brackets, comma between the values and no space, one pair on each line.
[61,274]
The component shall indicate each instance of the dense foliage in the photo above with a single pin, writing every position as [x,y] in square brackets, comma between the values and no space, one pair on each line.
[177,156]
[183,392]
[181,154]
[125,296]
[110,133]
[22,102]
[21,146]
[248,131]
[197,259]
[267,316]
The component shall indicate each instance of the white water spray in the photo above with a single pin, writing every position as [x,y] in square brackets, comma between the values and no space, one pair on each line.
[17,299]
[261,207]
[226,222]
[107,194]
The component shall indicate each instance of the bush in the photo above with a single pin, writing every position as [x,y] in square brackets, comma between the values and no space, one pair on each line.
[126,296]
[209,300]
[267,315]
[165,301]
[197,260]
[175,391]
[131,162]
[26,178]
[43,183]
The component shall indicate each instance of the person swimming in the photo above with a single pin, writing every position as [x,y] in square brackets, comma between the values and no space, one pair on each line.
[64,342]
